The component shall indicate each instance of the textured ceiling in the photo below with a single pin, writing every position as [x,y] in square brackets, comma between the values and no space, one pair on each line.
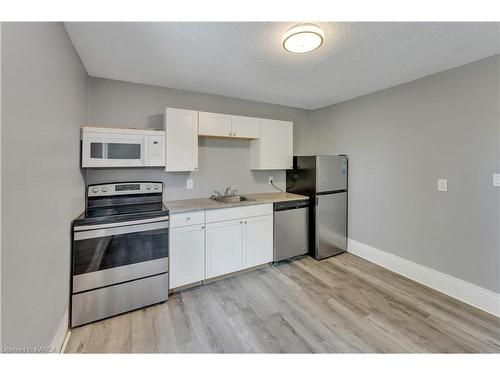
[245,60]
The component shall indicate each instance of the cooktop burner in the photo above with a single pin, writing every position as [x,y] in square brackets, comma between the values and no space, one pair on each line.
[116,202]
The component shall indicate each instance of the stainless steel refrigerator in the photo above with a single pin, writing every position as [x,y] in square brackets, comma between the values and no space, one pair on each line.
[324,180]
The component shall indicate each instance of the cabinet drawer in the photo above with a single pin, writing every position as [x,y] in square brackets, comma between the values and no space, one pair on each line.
[224,214]
[119,298]
[188,218]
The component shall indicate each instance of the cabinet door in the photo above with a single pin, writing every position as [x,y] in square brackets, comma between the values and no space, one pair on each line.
[257,241]
[274,148]
[181,140]
[223,246]
[187,255]
[214,124]
[245,127]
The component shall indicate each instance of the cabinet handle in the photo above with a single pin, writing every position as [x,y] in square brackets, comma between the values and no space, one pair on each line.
[202,227]
[241,222]
[245,222]
[188,218]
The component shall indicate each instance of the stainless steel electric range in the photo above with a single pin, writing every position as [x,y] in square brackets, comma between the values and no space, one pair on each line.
[120,251]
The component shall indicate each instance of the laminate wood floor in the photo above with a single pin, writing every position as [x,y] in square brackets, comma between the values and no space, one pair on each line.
[342,304]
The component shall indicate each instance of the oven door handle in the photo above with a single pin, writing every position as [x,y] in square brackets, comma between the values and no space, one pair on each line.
[104,232]
[119,224]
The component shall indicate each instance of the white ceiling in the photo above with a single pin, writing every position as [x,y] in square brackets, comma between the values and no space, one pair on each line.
[245,60]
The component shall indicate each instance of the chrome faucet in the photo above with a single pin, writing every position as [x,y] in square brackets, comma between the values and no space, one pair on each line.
[228,189]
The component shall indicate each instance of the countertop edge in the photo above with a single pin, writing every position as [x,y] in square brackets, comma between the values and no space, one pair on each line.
[205,204]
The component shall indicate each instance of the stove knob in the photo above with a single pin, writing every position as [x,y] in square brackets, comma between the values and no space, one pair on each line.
[95,190]
[156,187]
[104,189]
[148,187]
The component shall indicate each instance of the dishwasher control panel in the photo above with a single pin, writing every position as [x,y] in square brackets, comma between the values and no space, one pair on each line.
[290,205]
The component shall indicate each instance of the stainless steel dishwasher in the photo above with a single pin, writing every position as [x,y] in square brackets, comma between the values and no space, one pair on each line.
[291,229]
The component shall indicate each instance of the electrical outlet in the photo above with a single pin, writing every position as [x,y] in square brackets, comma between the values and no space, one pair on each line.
[496,179]
[189,184]
[271,179]
[442,184]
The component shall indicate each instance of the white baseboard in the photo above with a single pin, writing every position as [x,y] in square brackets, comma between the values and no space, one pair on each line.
[464,291]
[60,336]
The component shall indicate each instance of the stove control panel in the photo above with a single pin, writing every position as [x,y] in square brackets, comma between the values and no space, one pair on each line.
[125,188]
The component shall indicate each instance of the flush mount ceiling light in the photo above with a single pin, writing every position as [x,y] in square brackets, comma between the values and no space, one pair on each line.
[303,38]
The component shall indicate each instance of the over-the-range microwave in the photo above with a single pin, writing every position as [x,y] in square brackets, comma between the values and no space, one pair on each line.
[114,147]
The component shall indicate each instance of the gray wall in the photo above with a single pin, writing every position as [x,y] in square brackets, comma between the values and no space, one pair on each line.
[400,141]
[221,162]
[44,103]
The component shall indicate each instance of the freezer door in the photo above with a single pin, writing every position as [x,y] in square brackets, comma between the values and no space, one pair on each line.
[331,173]
[331,224]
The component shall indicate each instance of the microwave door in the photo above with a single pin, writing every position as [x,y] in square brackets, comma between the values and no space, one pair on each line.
[123,151]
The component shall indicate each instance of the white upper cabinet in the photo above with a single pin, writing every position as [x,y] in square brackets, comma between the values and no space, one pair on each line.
[181,128]
[274,148]
[221,125]
[214,124]
[245,127]
[271,141]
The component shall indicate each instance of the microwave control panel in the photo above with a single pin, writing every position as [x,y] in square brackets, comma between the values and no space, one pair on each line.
[156,151]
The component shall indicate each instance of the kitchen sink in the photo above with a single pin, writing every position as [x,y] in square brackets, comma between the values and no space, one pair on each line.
[232,199]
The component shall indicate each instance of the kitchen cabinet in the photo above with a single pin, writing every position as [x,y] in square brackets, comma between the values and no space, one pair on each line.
[223,246]
[238,238]
[228,126]
[257,241]
[224,214]
[214,125]
[181,140]
[187,255]
[188,218]
[245,127]
[274,148]
[232,239]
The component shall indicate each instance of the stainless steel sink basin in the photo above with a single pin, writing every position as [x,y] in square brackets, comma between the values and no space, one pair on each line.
[232,199]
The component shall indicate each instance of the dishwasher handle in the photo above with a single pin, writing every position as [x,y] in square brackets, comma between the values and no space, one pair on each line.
[291,205]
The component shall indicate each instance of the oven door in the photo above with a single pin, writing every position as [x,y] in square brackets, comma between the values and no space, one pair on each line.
[113,150]
[109,254]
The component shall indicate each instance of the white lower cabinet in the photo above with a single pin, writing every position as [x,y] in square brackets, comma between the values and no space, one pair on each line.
[238,244]
[233,239]
[223,247]
[257,241]
[187,255]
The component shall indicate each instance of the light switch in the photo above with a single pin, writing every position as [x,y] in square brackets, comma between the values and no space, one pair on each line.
[442,184]
[496,179]
[189,184]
